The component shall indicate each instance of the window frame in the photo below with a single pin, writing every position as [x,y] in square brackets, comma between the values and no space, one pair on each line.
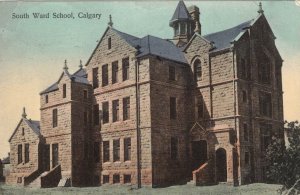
[54,117]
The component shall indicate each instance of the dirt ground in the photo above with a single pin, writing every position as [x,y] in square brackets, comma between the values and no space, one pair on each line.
[222,189]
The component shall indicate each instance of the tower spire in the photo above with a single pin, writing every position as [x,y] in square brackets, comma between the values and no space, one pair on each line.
[24,115]
[110,23]
[65,67]
[260,10]
[80,65]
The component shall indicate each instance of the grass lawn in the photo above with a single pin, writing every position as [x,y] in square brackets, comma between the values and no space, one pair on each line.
[222,189]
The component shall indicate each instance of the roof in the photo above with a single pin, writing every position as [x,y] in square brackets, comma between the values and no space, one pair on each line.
[34,125]
[80,76]
[223,39]
[6,160]
[181,13]
[154,46]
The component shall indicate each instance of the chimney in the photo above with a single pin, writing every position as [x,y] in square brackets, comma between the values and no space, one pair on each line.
[195,14]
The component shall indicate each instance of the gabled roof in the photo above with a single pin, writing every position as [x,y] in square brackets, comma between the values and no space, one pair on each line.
[80,76]
[223,39]
[154,46]
[181,13]
[34,126]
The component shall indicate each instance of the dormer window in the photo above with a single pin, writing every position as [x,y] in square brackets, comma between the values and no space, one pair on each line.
[109,43]
[64,90]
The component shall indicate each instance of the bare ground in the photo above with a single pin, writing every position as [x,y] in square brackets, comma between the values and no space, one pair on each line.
[222,189]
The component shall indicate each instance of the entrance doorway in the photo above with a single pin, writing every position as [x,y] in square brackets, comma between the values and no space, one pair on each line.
[221,165]
[199,153]
[46,160]
[54,155]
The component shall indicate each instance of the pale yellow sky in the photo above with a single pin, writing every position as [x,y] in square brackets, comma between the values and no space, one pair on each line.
[32,51]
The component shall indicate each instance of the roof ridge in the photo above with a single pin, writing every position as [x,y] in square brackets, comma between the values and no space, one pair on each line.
[125,33]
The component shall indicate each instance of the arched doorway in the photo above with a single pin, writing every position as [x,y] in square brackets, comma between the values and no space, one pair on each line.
[221,165]
[199,153]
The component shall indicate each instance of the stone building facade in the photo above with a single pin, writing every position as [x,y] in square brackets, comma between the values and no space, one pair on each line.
[150,111]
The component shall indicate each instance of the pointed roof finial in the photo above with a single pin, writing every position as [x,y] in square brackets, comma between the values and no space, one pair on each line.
[24,115]
[260,10]
[110,23]
[80,65]
[65,67]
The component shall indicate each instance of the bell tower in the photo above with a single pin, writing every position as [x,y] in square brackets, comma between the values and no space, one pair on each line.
[183,24]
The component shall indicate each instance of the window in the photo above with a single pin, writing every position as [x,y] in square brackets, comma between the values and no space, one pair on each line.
[115,110]
[244,96]
[54,117]
[85,94]
[64,90]
[125,67]
[86,150]
[105,112]
[173,112]
[127,178]
[116,150]
[265,136]
[46,99]
[172,73]
[265,104]
[116,178]
[105,179]
[23,131]
[174,148]
[246,132]
[176,29]
[245,68]
[127,149]
[182,28]
[114,75]
[54,155]
[109,42]
[96,114]
[105,151]
[126,108]
[85,118]
[95,78]
[197,70]
[20,160]
[200,109]
[19,180]
[104,75]
[26,153]
[264,70]
[96,152]
[247,158]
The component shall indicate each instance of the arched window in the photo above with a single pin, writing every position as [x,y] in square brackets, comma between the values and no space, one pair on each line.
[197,70]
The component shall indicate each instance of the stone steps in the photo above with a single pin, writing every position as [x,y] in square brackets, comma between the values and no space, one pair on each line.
[37,182]
[64,182]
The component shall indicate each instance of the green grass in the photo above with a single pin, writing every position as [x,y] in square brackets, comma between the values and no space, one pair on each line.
[222,189]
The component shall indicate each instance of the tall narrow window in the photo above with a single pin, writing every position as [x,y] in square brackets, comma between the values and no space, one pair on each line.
[54,117]
[174,148]
[127,178]
[126,108]
[85,94]
[116,150]
[244,96]
[125,67]
[96,114]
[54,155]
[105,112]
[247,158]
[105,179]
[86,150]
[114,75]
[246,132]
[127,149]
[200,108]
[20,160]
[95,78]
[23,130]
[116,178]
[197,70]
[104,75]
[182,28]
[46,99]
[105,151]
[172,73]
[96,152]
[26,153]
[115,110]
[109,42]
[173,111]
[85,118]
[265,136]
[64,90]
[265,104]
[243,68]
[264,70]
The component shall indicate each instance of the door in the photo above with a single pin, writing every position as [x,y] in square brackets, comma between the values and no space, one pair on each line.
[54,155]
[46,161]
[199,153]
[221,165]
